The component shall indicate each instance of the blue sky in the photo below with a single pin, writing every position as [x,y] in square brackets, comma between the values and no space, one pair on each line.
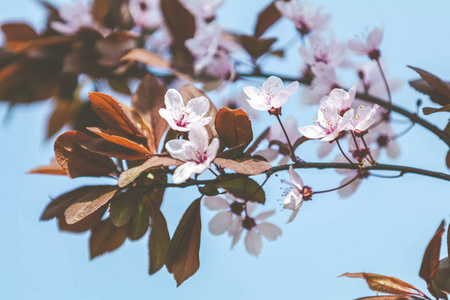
[383,228]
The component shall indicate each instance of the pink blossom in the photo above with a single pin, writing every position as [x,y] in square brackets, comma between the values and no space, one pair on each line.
[331,55]
[196,152]
[306,18]
[76,14]
[363,118]
[334,116]
[271,96]
[294,199]
[229,209]
[145,13]
[370,46]
[323,83]
[383,137]
[181,117]
[203,9]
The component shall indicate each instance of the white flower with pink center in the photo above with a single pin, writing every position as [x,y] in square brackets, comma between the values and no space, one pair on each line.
[271,96]
[230,208]
[180,117]
[203,9]
[294,199]
[363,118]
[196,153]
[331,54]
[334,116]
[76,14]
[306,18]
[145,13]
[371,45]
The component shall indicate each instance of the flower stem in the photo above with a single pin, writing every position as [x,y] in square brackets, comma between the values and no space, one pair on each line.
[294,159]
[372,161]
[215,174]
[339,187]
[343,153]
[385,81]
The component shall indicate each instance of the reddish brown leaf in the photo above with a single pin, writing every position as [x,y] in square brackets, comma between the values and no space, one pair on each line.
[62,113]
[58,205]
[430,259]
[89,203]
[99,10]
[431,110]
[266,18]
[441,281]
[126,177]
[77,161]
[146,57]
[18,32]
[385,284]
[423,87]
[139,222]
[106,237]
[182,258]
[103,147]
[244,188]
[84,225]
[123,206]
[234,127]
[436,83]
[389,298]
[52,169]
[147,101]
[119,139]
[246,166]
[120,85]
[255,46]
[115,114]
[159,238]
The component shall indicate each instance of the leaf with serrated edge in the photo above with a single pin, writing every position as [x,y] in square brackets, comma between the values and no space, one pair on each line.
[106,237]
[389,298]
[430,259]
[106,148]
[246,166]
[182,259]
[435,82]
[116,138]
[159,238]
[83,225]
[126,177]
[90,202]
[52,169]
[123,206]
[385,284]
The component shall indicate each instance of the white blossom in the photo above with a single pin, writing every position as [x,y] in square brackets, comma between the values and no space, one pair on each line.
[294,199]
[370,46]
[331,54]
[145,13]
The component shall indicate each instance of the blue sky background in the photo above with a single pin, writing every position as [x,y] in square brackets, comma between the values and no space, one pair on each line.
[383,228]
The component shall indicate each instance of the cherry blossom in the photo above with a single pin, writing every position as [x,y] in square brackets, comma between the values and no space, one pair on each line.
[306,18]
[229,209]
[294,199]
[253,240]
[180,117]
[322,84]
[271,96]
[276,134]
[196,152]
[76,14]
[370,46]
[145,13]
[363,118]
[383,137]
[319,52]
[334,116]
[203,9]
[351,188]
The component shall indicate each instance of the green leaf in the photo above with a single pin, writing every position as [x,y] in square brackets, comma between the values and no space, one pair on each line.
[159,238]
[182,259]
[244,188]
[139,222]
[106,237]
[123,206]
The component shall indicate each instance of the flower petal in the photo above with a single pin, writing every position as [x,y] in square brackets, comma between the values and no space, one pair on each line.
[292,88]
[216,203]
[198,136]
[265,215]
[349,189]
[312,131]
[179,149]
[173,101]
[211,152]
[220,223]
[293,215]
[269,230]
[295,178]
[280,99]
[236,238]
[183,172]
[196,108]
[253,243]
[272,85]
[375,37]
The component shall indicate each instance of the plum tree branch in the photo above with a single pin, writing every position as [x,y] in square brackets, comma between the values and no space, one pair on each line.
[368,98]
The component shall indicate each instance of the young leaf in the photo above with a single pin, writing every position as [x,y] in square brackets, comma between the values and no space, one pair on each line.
[246,166]
[62,113]
[52,169]
[139,222]
[89,203]
[182,258]
[385,284]
[106,237]
[431,110]
[159,238]
[430,259]
[234,127]
[254,46]
[84,225]
[120,139]
[105,148]
[423,87]
[147,101]
[123,206]
[436,83]
[77,161]
[149,58]
[267,18]
[244,188]
[126,177]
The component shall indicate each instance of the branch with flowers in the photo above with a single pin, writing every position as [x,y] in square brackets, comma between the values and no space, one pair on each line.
[173,136]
